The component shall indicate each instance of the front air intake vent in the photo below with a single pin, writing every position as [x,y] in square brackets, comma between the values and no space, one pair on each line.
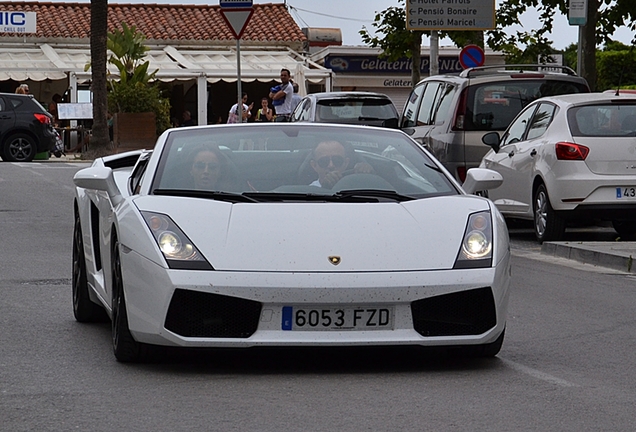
[457,314]
[199,314]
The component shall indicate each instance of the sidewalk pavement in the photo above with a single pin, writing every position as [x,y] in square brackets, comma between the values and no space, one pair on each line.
[68,157]
[614,255]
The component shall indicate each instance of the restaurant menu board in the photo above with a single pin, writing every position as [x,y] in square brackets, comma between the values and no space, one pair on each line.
[74,111]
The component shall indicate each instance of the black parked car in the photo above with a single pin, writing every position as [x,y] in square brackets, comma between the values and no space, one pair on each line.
[360,108]
[25,128]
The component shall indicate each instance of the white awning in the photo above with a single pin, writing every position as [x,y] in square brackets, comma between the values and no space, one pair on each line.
[171,63]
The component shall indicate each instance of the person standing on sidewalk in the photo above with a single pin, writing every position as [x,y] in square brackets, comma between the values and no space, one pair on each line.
[282,97]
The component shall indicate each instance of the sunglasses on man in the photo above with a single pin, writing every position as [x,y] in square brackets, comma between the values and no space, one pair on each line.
[336,161]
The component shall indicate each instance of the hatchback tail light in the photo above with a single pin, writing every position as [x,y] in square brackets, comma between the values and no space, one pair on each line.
[460,114]
[571,151]
[42,118]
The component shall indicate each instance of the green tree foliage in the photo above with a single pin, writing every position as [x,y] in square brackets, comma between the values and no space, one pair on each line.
[616,66]
[396,41]
[615,63]
[135,91]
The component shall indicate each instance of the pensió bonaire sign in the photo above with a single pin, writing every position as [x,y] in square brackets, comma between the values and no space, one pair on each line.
[450,14]
[18,22]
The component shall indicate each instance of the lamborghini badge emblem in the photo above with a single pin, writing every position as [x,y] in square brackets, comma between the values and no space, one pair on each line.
[335,260]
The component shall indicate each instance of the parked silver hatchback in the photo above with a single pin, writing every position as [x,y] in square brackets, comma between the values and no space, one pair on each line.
[448,114]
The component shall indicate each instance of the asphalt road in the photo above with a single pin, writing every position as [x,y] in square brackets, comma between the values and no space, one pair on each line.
[566,363]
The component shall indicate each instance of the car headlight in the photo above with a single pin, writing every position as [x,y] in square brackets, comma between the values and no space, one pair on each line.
[177,249]
[476,248]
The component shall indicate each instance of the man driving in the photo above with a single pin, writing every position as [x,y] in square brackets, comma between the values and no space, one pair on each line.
[330,162]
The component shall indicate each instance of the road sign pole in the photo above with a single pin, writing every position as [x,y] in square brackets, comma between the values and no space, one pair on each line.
[237,14]
[239,89]
[433,58]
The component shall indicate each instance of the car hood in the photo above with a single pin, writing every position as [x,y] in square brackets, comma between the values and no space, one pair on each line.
[300,237]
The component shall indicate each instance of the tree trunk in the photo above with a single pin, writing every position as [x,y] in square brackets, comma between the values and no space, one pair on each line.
[588,44]
[416,53]
[100,140]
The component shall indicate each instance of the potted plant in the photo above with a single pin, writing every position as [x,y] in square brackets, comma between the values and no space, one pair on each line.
[140,113]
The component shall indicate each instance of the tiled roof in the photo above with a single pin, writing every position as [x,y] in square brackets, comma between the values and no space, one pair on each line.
[270,22]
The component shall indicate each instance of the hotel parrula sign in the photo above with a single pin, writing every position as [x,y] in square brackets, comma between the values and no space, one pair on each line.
[450,14]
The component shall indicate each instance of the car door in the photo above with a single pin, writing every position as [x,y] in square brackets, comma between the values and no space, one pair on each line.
[423,120]
[7,116]
[507,161]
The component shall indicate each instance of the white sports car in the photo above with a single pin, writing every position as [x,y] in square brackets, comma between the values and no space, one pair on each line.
[288,234]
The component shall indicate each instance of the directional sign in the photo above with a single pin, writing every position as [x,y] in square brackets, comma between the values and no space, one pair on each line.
[471,56]
[237,20]
[450,14]
[577,12]
[241,4]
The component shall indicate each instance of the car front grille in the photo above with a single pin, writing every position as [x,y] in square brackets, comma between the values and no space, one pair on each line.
[457,314]
[199,314]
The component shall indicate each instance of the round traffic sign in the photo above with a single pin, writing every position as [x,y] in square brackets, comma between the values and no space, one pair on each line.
[471,56]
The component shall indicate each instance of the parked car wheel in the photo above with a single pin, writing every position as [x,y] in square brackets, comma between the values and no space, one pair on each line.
[83,308]
[19,148]
[548,225]
[625,229]
[125,347]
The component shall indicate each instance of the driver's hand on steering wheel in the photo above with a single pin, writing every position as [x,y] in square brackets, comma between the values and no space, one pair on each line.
[331,178]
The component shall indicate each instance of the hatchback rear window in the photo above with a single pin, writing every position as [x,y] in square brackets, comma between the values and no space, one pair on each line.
[340,109]
[493,106]
[608,120]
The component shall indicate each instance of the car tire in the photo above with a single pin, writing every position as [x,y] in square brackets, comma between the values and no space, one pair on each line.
[548,225]
[19,148]
[84,309]
[125,347]
[626,229]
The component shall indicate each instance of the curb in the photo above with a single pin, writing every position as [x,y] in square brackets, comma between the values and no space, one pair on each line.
[615,255]
[64,158]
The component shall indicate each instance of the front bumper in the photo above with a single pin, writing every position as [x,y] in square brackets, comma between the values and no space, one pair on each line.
[431,308]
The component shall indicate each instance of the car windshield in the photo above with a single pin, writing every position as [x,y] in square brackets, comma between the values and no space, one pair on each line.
[281,162]
[603,120]
[334,110]
[493,106]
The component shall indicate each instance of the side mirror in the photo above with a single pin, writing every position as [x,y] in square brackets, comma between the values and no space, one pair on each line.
[409,130]
[479,179]
[101,179]
[491,139]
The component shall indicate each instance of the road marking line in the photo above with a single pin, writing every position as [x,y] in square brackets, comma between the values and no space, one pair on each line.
[538,374]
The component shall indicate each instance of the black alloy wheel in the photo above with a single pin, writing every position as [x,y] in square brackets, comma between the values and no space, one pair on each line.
[83,307]
[548,225]
[125,347]
[19,148]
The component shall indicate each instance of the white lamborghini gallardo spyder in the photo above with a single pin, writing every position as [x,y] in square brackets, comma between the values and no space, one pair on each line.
[288,234]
